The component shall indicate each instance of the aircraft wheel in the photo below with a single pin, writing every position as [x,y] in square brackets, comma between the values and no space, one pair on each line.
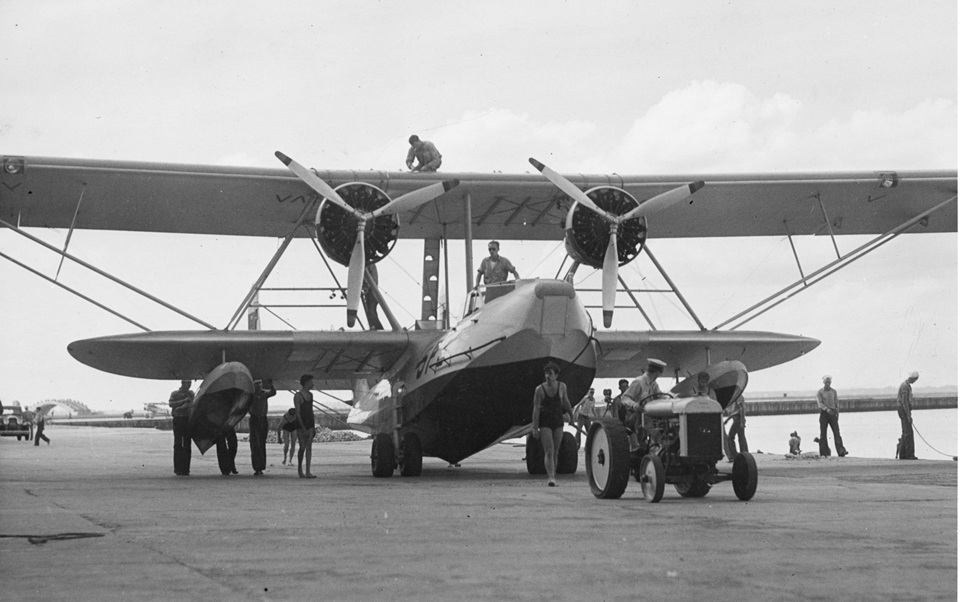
[744,476]
[412,464]
[652,478]
[607,457]
[693,487]
[382,456]
[569,457]
[535,465]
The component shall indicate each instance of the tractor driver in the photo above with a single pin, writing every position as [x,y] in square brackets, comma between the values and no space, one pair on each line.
[641,390]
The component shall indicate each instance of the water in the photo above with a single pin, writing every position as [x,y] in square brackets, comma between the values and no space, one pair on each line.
[865,434]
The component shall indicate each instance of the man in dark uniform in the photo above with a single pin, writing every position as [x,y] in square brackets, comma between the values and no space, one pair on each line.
[262,391]
[227,452]
[181,403]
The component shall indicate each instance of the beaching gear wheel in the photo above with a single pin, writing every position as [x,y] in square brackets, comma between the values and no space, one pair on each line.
[382,456]
[568,459]
[535,465]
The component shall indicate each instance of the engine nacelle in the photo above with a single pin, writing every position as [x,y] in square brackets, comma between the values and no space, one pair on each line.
[587,233]
[337,229]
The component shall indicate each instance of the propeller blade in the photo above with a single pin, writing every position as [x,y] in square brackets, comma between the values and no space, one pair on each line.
[567,187]
[313,181]
[414,199]
[358,260]
[662,201]
[611,263]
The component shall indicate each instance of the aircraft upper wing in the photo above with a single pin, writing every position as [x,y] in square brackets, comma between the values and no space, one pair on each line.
[335,358]
[163,197]
[625,353]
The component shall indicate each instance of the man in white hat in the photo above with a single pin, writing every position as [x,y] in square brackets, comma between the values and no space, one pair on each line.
[905,450]
[829,414]
[641,390]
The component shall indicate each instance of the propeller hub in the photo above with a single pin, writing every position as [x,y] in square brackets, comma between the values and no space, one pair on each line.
[588,232]
[337,228]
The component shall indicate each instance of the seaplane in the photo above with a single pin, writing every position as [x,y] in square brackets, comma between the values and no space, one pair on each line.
[451,390]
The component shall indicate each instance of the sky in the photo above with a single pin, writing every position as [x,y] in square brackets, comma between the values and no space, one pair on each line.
[625,87]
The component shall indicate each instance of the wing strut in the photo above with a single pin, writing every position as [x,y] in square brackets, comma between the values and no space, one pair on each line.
[106,275]
[269,268]
[73,224]
[636,302]
[79,294]
[676,291]
[830,268]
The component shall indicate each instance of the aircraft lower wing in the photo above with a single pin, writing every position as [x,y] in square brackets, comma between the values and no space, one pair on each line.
[335,358]
[624,353]
[163,197]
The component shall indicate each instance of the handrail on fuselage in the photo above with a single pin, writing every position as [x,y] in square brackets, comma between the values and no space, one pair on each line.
[437,363]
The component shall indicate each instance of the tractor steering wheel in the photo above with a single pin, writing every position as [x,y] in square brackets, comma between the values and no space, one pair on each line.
[659,395]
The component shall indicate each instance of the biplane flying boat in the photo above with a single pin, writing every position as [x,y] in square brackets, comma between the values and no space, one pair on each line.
[452,391]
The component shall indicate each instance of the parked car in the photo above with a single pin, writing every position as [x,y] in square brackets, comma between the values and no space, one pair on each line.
[14,424]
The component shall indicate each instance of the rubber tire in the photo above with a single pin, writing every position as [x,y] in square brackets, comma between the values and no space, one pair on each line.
[382,456]
[569,458]
[654,477]
[412,465]
[607,456]
[535,465]
[745,476]
[694,487]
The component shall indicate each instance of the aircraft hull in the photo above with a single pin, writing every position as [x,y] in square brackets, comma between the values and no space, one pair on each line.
[477,383]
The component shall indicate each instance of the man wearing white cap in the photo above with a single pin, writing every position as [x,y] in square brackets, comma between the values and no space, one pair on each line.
[639,392]
[905,450]
[829,414]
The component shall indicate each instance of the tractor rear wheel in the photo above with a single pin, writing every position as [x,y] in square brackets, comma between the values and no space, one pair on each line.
[607,457]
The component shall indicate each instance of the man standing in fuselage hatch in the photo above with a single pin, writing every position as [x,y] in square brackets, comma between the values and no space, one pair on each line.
[640,391]
[495,268]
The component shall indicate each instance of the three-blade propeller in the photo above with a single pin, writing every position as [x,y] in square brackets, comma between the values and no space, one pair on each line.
[406,202]
[611,261]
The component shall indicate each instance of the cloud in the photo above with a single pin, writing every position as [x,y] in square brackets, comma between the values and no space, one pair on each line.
[710,126]
[501,140]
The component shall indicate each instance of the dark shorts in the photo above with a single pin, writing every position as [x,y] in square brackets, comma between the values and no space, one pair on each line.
[551,420]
